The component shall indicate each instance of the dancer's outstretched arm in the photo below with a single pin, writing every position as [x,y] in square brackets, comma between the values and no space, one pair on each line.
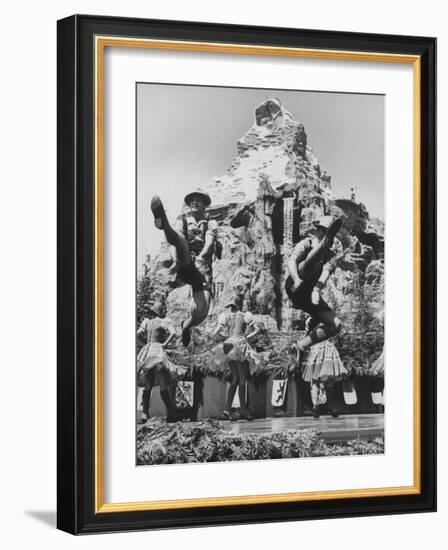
[253,326]
[210,239]
[221,327]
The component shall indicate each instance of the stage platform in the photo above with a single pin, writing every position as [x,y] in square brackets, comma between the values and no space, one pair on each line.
[343,428]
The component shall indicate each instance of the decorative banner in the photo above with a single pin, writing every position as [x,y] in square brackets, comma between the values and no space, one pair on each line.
[350,396]
[184,394]
[377,398]
[279,388]
[321,396]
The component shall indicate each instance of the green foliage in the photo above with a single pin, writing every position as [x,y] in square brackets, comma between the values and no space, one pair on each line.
[353,447]
[359,350]
[143,290]
[208,441]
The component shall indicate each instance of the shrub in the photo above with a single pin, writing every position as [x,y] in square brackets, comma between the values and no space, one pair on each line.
[208,441]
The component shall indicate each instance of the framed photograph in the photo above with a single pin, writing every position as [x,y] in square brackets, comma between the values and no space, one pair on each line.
[246,274]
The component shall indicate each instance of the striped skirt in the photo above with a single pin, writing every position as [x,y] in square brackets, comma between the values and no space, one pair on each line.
[324,364]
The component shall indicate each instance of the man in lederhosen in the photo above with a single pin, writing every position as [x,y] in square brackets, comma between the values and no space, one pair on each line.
[194,238]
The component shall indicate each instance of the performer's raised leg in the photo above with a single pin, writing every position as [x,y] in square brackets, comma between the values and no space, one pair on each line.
[199,311]
[307,267]
[329,325]
[173,237]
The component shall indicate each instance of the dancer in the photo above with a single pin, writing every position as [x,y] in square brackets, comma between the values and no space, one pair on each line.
[194,238]
[153,366]
[239,356]
[323,370]
[310,266]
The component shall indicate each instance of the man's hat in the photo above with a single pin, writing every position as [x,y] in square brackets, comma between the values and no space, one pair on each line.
[156,308]
[198,192]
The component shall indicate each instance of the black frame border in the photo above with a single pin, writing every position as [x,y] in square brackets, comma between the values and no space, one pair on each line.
[76,261]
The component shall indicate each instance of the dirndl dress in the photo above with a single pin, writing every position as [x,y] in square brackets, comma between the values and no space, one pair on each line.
[236,347]
[152,357]
[324,364]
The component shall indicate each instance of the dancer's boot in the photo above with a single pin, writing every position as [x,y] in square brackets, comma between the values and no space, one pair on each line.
[158,211]
[334,227]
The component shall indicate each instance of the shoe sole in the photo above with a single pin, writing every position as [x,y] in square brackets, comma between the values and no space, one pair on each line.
[158,212]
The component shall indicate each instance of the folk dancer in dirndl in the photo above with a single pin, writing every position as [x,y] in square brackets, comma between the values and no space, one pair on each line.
[323,369]
[237,354]
[154,368]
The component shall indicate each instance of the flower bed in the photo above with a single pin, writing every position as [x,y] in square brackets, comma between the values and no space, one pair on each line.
[207,441]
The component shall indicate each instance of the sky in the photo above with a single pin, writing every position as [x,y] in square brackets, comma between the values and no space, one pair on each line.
[187,135]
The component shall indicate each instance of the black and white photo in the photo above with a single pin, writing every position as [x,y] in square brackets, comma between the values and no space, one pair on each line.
[260,274]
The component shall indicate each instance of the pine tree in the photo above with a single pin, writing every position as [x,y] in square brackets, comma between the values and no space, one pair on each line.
[143,289]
